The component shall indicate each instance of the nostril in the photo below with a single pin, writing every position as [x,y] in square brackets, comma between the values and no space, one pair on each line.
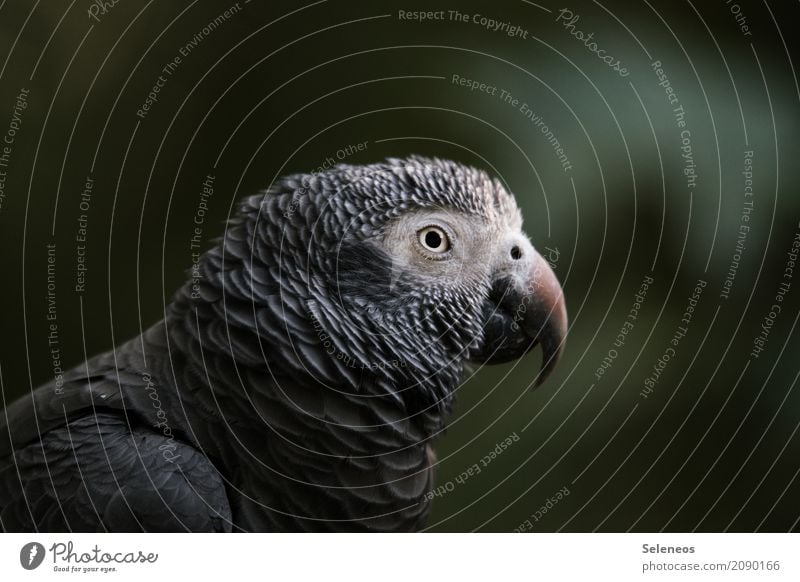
[516,253]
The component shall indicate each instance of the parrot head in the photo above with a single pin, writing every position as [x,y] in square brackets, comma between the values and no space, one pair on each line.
[413,267]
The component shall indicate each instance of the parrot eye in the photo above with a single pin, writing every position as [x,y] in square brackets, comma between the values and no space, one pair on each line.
[434,239]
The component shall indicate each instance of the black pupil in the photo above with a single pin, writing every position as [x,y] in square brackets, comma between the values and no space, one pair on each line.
[433,239]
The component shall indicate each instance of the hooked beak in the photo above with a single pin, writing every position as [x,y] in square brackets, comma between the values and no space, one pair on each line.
[522,312]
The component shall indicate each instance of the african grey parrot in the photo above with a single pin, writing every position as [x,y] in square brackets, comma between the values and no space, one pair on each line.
[300,375]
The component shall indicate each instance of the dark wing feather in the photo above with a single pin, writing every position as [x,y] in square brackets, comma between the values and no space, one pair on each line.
[98,474]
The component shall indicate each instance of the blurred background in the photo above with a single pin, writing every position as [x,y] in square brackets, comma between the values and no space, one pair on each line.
[618,186]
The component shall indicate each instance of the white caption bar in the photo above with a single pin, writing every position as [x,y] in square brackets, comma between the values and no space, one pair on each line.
[401,557]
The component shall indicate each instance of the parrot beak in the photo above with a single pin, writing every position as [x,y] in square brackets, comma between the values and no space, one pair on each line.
[546,321]
[521,312]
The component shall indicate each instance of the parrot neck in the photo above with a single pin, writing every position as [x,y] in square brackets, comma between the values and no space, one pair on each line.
[262,363]
[300,455]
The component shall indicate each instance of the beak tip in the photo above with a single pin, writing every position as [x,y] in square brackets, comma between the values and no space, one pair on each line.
[549,361]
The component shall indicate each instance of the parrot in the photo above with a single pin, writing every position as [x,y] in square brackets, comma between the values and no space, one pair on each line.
[301,376]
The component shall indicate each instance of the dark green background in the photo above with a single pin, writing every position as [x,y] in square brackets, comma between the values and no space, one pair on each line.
[342,74]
